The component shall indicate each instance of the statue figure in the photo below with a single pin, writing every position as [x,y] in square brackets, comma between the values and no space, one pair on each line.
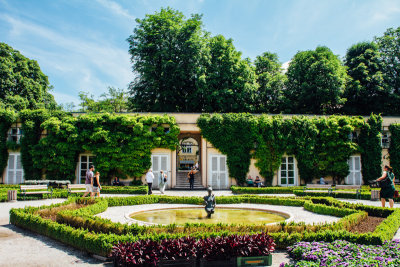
[210,202]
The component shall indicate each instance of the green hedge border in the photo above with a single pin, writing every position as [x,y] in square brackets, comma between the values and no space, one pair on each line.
[101,243]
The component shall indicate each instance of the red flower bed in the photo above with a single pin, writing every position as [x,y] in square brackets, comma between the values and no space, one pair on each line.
[149,253]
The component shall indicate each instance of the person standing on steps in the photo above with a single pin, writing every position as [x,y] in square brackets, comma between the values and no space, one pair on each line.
[191,178]
[89,181]
[387,186]
[149,180]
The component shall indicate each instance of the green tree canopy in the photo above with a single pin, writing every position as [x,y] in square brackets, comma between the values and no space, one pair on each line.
[22,84]
[115,100]
[166,50]
[229,84]
[271,82]
[365,92]
[389,46]
[316,81]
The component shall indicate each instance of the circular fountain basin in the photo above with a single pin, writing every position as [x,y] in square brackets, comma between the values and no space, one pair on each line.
[181,216]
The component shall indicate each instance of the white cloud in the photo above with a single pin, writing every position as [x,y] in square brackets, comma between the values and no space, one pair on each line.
[382,11]
[115,8]
[83,64]
[285,66]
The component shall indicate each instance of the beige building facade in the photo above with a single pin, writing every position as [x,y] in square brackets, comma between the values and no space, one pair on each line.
[210,162]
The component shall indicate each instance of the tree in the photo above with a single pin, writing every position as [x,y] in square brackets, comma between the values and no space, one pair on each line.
[166,50]
[389,47]
[315,84]
[113,101]
[271,81]
[22,81]
[365,91]
[229,83]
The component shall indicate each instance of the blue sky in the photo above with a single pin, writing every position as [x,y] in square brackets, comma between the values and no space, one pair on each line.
[81,45]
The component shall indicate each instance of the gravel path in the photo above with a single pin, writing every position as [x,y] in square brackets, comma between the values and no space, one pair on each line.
[24,248]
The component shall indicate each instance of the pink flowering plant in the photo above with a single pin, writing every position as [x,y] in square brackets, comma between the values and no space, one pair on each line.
[343,253]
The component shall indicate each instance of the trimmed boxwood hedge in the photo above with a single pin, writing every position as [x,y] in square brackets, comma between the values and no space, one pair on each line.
[63,193]
[366,195]
[80,229]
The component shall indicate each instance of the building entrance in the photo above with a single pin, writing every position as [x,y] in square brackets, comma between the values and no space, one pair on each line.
[188,157]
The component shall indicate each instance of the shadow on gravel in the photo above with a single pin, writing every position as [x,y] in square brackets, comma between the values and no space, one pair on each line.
[10,231]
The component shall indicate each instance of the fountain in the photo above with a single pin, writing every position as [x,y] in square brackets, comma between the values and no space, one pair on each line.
[195,214]
[210,202]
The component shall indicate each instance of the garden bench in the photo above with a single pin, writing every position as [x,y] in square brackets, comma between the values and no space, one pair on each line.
[76,188]
[313,187]
[35,190]
[348,187]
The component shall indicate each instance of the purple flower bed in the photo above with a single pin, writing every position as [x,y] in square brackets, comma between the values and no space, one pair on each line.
[343,253]
[150,253]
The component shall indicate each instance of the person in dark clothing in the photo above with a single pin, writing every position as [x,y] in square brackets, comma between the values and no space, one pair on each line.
[387,186]
[191,178]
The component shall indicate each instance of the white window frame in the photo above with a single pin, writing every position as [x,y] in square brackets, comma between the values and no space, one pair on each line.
[294,170]
[352,171]
[218,172]
[15,169]
[80,165]
[17,135]
[168,171]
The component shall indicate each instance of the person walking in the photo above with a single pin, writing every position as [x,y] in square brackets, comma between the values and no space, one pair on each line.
[149,180]
[162,181]
[89,181]
[387,186]
[96,184]
[191,178]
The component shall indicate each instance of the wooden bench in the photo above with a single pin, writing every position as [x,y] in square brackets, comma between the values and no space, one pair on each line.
[313,187]
[76,188]
[35,190]
[348,187]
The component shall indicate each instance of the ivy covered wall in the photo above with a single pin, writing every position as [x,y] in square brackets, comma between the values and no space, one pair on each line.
[7,117]
[371,148]
[122,144]
[394,149]
[321,145]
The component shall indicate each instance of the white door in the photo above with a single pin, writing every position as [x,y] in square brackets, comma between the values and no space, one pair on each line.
[354,177]
[160,162]
[218,172]
[85,160]
[15,173]
[287,171]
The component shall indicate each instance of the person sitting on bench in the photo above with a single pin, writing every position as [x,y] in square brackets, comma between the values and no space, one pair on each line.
[250,181]
[258,182]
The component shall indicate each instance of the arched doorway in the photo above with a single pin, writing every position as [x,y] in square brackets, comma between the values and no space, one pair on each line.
[188,154]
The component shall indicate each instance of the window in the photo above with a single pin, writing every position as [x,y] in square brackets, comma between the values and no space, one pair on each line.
[355,175]
[15,172]
[287,171]
[15,134]
[385,139]
[353,137]
[187,148]
[154,129]
[85,160]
